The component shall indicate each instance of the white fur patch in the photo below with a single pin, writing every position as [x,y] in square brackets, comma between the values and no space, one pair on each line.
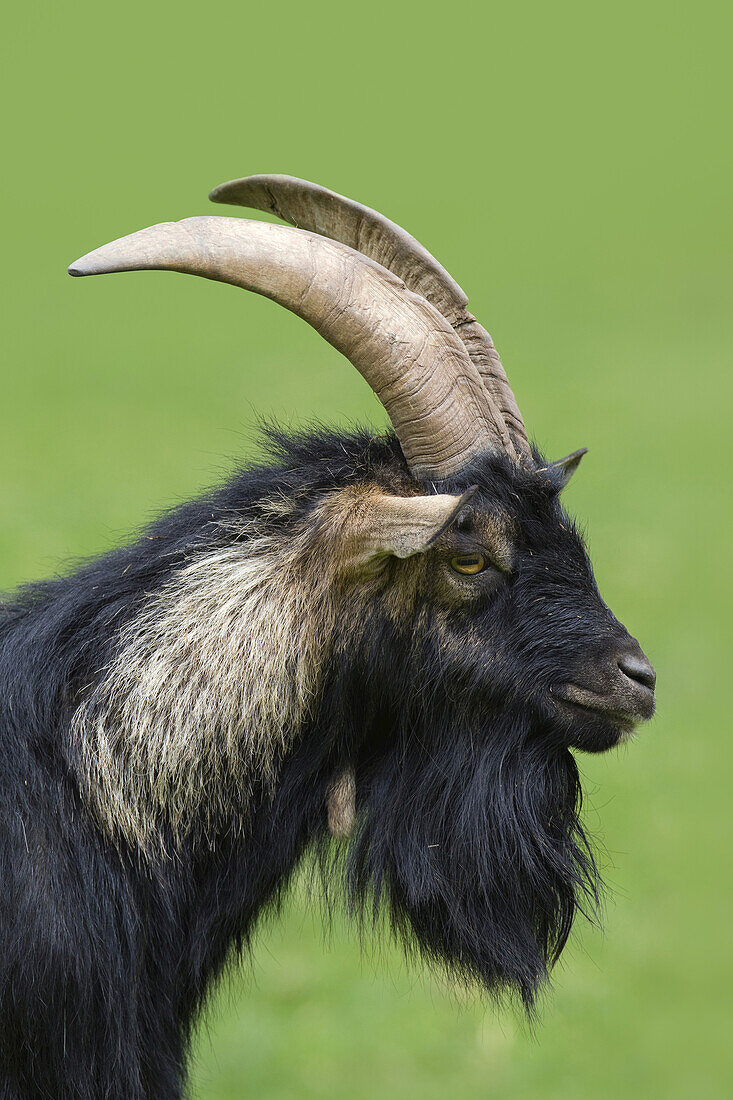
[210,684]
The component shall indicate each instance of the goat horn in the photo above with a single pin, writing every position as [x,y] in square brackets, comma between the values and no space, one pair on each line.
[403,347]
[309,206]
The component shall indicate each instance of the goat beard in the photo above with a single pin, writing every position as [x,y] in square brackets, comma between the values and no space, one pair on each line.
[472,845]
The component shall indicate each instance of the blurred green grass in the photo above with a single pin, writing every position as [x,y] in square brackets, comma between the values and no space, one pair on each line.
[570,164]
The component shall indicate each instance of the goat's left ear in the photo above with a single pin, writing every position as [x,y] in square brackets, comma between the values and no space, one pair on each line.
[563,468]
[382,525]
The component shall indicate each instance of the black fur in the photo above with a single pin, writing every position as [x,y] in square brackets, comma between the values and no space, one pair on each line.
[468,831]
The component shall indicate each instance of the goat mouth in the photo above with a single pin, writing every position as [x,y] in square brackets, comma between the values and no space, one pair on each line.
[623,713]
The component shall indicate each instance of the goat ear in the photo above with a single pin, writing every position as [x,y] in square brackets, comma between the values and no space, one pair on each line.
[385,525]
[563,468]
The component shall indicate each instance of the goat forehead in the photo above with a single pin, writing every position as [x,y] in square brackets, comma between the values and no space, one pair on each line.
[527,516]
[492,524]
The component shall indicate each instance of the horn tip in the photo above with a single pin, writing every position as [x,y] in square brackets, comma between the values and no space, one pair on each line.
[227,192]
[79,268]
[248,189]
[103,261]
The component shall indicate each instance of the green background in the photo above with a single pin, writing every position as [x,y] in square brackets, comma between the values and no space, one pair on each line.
[570,164]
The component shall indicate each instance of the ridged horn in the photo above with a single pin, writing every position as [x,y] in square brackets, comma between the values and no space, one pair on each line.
[309,206]
[402,346]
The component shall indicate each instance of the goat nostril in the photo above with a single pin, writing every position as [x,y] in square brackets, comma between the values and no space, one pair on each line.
[636,667]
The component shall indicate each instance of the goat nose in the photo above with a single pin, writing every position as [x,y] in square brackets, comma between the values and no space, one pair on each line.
[634,664]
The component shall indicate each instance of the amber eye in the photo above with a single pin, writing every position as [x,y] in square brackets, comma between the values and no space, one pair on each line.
[468,564]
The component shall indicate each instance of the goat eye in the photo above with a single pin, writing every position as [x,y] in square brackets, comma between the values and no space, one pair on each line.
[468,564]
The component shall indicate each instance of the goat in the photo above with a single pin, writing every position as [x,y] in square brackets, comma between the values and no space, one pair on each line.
[393,639]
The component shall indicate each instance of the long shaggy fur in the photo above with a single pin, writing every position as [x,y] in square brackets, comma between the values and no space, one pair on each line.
[451,799]
[175,716]
[209,686]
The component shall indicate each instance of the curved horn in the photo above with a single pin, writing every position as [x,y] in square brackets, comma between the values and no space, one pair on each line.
[319,210]
[403,347]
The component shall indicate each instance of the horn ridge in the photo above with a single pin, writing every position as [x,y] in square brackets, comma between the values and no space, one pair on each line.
[401,344]
[320,210]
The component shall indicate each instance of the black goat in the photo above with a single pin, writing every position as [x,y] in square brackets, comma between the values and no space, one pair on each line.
[397,638]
